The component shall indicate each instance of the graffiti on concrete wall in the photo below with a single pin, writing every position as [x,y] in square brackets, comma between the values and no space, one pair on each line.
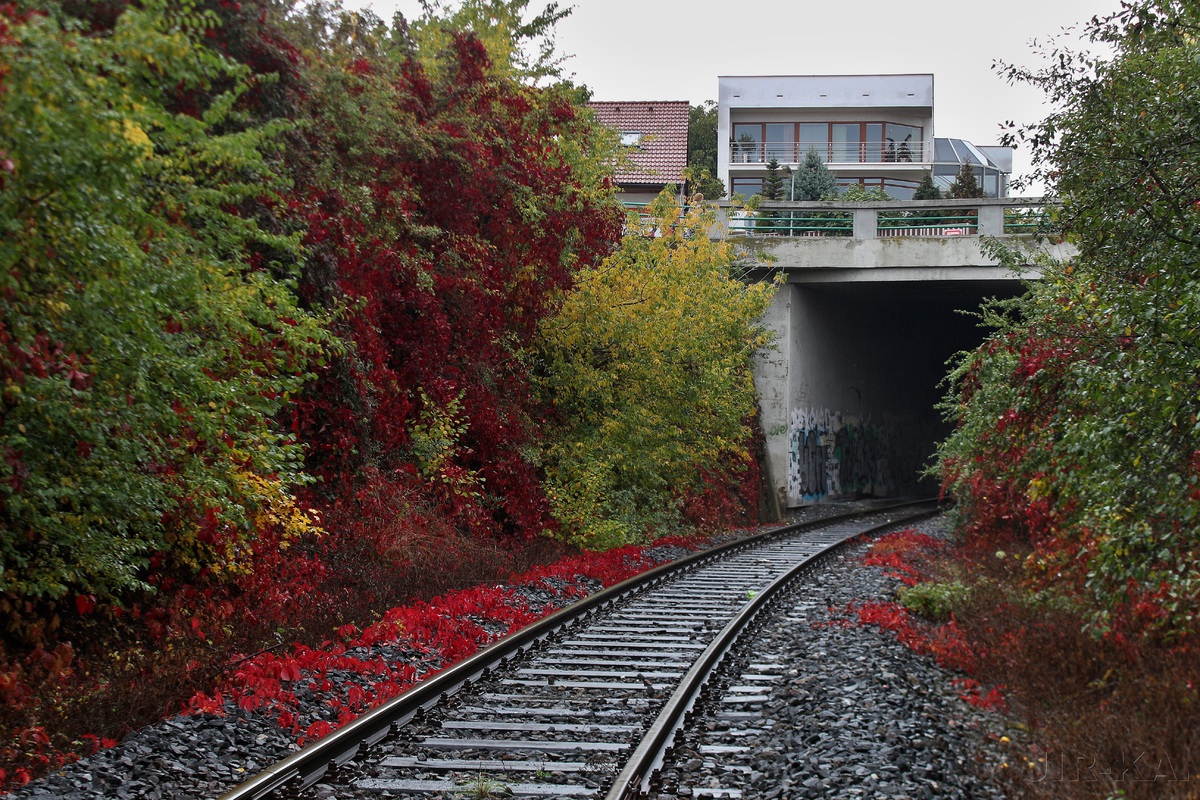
[834,455]
[811,437]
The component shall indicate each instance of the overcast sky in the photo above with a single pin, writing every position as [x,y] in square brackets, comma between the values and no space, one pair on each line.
[676,49]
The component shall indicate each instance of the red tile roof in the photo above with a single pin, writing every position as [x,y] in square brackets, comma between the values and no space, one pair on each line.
[662,153]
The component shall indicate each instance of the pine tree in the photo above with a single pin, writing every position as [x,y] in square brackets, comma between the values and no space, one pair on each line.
[813,180]
[926,190]
[773,184]
[966,184]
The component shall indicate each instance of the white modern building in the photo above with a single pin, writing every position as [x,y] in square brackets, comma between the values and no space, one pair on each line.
[873,130]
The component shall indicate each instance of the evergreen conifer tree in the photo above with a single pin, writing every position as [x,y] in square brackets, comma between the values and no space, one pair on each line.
[773,184]
[813,180]
[965,183]
[926,190]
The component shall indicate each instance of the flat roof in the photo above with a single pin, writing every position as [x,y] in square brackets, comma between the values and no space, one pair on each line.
[913,90]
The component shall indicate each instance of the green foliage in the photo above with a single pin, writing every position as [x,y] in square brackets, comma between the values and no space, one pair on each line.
[1078,419]
[812,180]
[451,203]
[773,182]
[932,600]
[521,46]
[648,369]
[701,182]
[702,151]
[926,190]
[145,342]
[482,787]
[857,193]
[702,136]
[966,184]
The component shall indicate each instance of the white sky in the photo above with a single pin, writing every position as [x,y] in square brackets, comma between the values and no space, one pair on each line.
[676,49]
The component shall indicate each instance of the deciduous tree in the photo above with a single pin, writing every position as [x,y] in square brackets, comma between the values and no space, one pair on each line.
[148,332]
[1077,420]
[648,370]
[452,205]
[702,151]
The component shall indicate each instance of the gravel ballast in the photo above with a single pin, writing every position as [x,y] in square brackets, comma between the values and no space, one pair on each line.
[821,707]
[849,713]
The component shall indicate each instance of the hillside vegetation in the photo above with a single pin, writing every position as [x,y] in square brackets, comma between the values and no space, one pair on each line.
[299,319]
[1076,458]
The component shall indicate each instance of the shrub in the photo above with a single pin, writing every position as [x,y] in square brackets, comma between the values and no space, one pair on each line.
[934,601]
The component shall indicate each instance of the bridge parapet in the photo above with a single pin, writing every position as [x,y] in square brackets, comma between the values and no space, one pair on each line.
[1009,216]
[864,326]
[888,241]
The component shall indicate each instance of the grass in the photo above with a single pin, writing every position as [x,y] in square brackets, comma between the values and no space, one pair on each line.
[482,787]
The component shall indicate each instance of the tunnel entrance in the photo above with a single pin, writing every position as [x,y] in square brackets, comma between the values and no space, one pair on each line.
[849,395]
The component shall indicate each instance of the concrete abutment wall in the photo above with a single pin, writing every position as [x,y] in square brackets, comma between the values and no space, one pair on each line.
[865,327]
[849,393]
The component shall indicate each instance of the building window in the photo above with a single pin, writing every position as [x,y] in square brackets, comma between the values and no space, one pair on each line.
[903,143]
[896,189]
[900,190]
[631,138]
[746,146]
[780,141]
[746,186]
[837,142]
[845,142]
[813,136]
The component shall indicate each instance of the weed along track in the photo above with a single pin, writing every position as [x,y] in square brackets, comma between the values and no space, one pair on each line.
[585,703]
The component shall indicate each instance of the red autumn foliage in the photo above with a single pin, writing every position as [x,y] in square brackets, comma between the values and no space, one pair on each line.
[732,496]
[442,241]
[906,554]
[1110,697]
[944,643]
[450,628]
[911,557]
[438,320]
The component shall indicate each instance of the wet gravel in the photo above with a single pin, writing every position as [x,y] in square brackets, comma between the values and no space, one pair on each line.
[851,713]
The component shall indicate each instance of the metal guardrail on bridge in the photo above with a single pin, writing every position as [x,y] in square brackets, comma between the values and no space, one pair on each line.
[897,219]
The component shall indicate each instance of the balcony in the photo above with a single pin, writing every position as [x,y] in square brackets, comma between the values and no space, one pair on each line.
[794,153]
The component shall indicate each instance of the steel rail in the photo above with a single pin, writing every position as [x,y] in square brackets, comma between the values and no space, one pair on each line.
[306,766]
[633,782]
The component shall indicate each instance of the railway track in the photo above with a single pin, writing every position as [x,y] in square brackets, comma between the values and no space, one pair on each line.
[585,703]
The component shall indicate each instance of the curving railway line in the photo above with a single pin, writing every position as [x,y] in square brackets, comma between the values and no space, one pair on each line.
[585,703]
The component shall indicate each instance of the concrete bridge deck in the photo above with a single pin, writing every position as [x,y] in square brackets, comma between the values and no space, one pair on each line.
[869,316]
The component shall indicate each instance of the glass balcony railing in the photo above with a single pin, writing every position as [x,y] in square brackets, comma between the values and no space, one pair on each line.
[751,152]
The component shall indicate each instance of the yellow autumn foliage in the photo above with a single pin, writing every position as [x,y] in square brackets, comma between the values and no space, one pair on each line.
[648,367]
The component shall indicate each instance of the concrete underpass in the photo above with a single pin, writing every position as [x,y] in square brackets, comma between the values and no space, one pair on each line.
[849,395]
[864,329]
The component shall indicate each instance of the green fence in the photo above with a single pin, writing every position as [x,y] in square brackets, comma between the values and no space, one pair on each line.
[791,223]
[931,222]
